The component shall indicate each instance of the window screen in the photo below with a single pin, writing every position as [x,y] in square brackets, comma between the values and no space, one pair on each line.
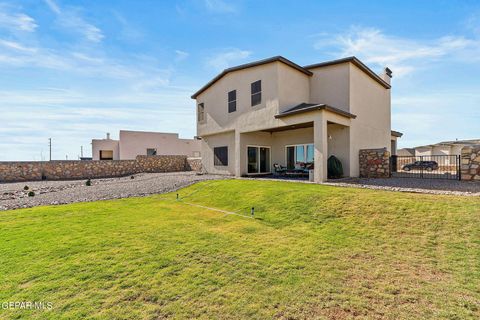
[201,112]
[232,101]
[151,152]
[220,156]
[256,92]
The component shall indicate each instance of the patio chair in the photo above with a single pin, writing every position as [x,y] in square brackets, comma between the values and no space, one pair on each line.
[279,169]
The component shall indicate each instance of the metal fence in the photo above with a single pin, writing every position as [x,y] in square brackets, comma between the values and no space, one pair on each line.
[426,167]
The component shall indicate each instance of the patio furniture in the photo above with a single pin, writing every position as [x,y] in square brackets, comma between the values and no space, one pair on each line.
[279,169]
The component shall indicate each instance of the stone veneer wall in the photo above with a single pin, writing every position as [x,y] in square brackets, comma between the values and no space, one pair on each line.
[194,164]
[65,170]
[374,163]
[470,165]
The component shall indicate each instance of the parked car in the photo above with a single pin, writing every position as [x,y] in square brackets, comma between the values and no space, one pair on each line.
[421,165]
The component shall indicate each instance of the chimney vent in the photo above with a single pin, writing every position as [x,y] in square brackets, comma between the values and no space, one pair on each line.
[386,75]
[388,72]
[108,135]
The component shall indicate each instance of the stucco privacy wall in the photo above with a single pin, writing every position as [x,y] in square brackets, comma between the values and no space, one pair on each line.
[374,163]
[65,170]
[470,167]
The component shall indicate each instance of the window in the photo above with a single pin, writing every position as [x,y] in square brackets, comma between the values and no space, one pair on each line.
[106,154]
[220,156]
[258,159]
[232,101]
[256,92]
[201,112]
[151,152]
[299,155]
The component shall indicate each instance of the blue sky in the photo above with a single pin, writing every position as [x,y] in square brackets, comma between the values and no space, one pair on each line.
[74,70]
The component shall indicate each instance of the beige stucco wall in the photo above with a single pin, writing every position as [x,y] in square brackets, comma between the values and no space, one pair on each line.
[134,143]
[370,102]
[293,87]
[105,144]
[219,140]
[215,100]
[330,85]
[339,145]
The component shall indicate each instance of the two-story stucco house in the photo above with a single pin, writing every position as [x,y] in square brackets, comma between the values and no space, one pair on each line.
[274,111]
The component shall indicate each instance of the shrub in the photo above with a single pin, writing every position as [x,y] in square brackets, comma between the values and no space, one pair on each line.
[335,168]
[31,194]
[132,177]
[26,188]
[88,183]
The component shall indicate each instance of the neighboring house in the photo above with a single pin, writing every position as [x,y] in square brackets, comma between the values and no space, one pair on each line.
[438,149]
[274,111]
[134,143]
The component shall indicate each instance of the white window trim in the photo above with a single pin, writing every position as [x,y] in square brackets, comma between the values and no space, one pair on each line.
[258,160]
[304,152]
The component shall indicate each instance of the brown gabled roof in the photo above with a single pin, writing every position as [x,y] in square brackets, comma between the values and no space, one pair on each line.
[357,63]
[396,134]
[306,107]
[249,65]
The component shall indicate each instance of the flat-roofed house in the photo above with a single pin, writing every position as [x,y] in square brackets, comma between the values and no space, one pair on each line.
[133,143]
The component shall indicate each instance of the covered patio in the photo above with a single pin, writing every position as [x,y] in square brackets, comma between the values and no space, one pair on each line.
[299,147]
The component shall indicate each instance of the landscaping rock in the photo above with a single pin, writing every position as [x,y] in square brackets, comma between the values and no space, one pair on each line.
[12,195]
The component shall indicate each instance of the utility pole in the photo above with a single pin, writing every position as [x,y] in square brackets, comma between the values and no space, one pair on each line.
[81,151]
[50,147]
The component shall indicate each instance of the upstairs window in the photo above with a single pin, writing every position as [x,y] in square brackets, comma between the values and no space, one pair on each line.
[256,92]
[232,101]
[201,112]
[220,156]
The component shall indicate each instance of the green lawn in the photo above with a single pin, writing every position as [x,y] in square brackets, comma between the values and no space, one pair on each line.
[311,252]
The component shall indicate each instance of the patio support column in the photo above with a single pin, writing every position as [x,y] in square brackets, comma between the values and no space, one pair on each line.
[321,147]
[238,145]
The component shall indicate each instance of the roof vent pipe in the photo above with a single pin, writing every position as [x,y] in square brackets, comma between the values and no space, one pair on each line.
[108,135]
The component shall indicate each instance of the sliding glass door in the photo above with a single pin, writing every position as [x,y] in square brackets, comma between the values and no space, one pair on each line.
[299,155]
[258,159]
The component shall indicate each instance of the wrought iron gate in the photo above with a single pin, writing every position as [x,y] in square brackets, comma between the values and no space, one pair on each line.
[426,167]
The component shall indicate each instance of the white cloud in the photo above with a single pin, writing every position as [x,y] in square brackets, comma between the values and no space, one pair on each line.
[16,46]
[227,58]
[402,55]
[70,19]
[181,55]
[219,6]
[16,21]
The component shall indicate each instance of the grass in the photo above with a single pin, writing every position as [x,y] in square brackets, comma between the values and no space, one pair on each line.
[311,252]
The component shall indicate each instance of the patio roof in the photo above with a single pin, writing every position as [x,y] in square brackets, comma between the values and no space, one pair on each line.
[307,107]
[396,134]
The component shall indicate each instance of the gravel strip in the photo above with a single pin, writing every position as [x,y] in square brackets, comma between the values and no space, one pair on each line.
[13,195]
[430,186]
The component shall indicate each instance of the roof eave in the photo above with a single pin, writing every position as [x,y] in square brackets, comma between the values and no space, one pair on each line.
[396,133]
[357,63]
[316,108]
[251,65]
